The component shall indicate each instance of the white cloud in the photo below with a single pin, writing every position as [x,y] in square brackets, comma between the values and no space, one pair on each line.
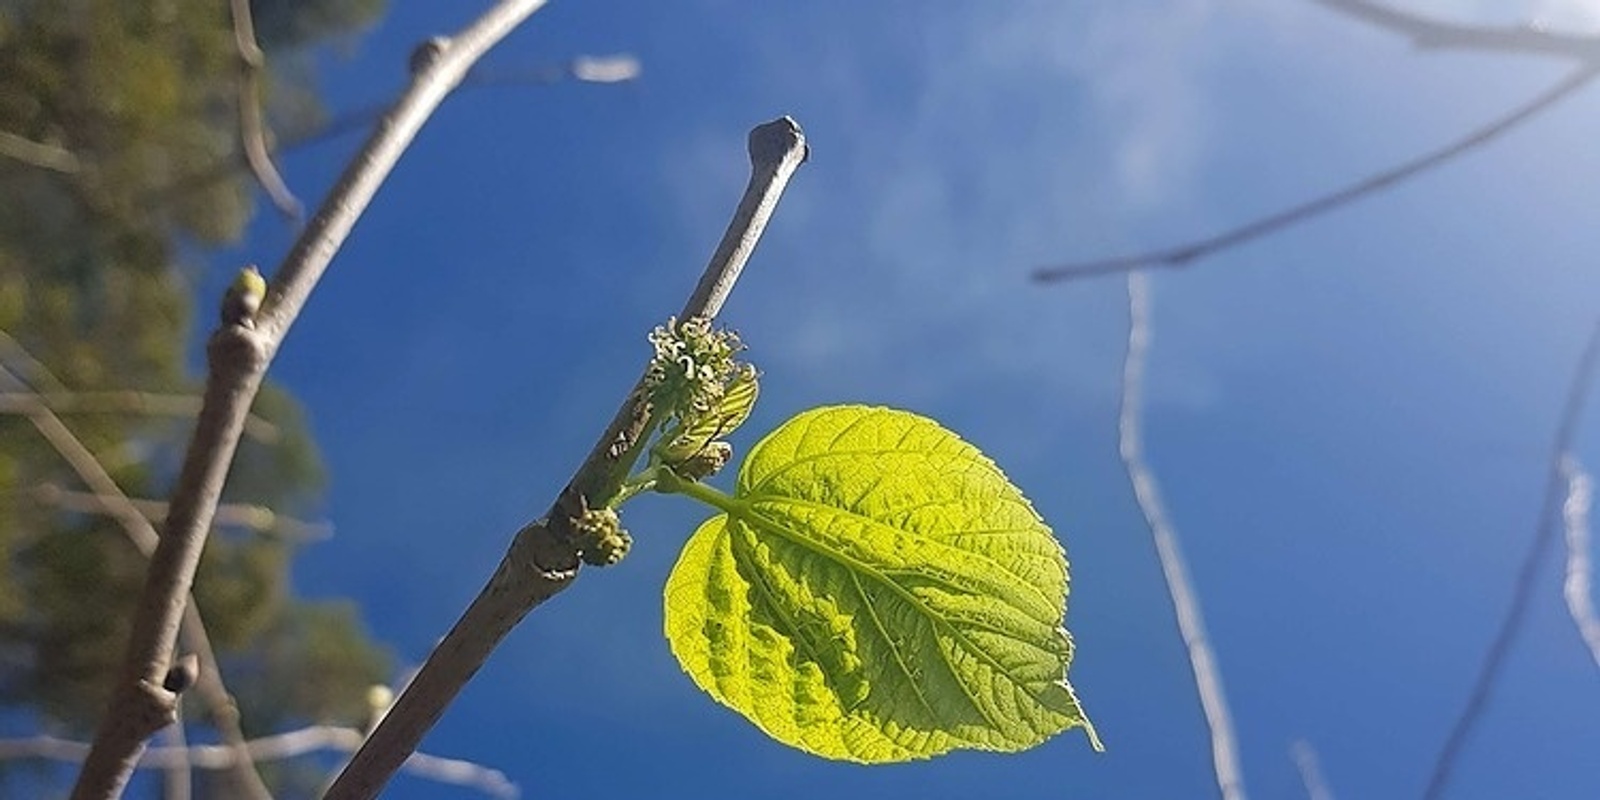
[1029,132]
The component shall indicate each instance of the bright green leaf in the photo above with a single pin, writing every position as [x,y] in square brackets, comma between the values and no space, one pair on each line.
[876,590]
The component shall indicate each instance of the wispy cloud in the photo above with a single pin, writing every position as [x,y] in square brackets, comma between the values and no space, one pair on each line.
[1030,129]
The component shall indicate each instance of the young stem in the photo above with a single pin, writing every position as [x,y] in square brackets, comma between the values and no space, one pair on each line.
[542,560]
[667,482]
[638,484]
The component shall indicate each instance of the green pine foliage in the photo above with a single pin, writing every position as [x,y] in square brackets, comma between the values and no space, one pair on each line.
[111,115]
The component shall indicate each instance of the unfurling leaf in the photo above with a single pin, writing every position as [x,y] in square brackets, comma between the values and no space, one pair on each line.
[688,436]
[876,590]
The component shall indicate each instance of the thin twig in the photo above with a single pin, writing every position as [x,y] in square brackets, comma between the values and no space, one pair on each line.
[1191,623]
[542,560]
[1305,760]
[1578,586]
[585,69]
[131,402]
[1527,575]
[252,123]
[277,747]
[176,782]
[222,711]
[249,516]
[1187,254]
[38,154]
[238,355]
[35,373]
[1429,34]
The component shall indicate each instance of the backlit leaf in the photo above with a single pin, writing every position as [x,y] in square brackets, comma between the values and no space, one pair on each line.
[877,591]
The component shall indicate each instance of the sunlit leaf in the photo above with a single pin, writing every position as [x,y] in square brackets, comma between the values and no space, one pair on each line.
[877,591]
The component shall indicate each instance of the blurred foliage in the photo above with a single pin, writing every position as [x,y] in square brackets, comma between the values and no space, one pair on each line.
[105,106]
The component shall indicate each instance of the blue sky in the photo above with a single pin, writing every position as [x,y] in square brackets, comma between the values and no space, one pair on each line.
[1350,420]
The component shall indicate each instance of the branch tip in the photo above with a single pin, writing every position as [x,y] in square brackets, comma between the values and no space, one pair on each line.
[184,673]
[542,559]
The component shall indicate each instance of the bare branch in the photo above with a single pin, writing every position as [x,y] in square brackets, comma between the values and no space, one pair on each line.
[38,154]
[1191,623]
[1578,587]
[586,69]
[1429,34]
[238,355]
[277,747]
[252,125]
[1187,254]
[257,518]
[542,560]
[618,68]
[130,402]
[177,783]
[1527,575]
[223,713]
[35,373]
[1305,760]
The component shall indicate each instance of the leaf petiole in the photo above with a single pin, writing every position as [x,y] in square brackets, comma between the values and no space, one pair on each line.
[638,483]
[668,482]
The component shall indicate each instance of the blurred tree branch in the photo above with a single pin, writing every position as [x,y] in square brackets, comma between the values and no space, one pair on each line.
[1585,50]
[1305,760]
[44,156]
[252,123]
[277,747]
[1186,604]
[224,714]
[176,782]
[1579,584]
[127,402]
[1429,34]
[257,518]
[618,68]
[1527,576]
[238,355]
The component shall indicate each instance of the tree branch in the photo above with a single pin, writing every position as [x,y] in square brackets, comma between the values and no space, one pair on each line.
[38,154]
[257,518]
[129,402]
[238,355]
[584,69]
[541,560]
[252,125]
[1305,760]
[1429,34]
[277,747]
[37,373]
[176,782]
[1527,575]
[1187,254]
[1579,584]
[223,712]
[1191,622]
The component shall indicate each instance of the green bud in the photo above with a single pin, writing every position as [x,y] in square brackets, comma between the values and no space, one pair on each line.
[243,300]
[709,461]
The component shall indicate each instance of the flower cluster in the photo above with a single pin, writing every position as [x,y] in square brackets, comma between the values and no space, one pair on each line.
[602,541]
[692,366]
[700,392]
